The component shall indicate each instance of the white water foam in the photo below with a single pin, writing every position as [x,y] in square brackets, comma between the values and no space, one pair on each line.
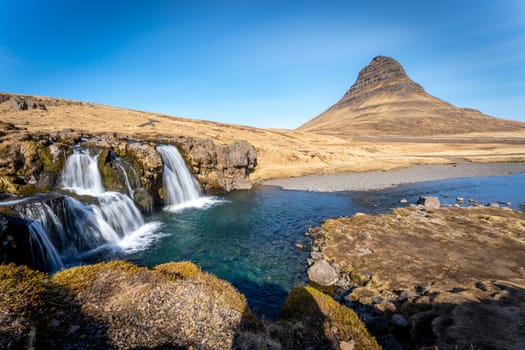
[199,203]
[115,219]
[81,174]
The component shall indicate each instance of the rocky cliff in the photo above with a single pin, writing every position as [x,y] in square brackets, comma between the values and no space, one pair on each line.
[32,162]
[385,101]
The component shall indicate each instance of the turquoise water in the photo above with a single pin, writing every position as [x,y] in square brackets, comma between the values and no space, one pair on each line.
[249,239]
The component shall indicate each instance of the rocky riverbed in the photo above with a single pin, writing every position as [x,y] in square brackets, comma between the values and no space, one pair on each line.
[376,180]
[423,277]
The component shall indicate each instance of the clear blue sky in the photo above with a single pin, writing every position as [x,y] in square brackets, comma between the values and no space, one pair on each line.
[260,63]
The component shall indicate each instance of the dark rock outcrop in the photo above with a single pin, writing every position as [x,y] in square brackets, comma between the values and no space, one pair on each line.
[22,103]
[31,162]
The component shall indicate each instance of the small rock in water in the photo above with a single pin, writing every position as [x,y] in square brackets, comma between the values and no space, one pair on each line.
[460,199]
[444,195]
[429,202]
[299,246]
[493,205]
[403,201]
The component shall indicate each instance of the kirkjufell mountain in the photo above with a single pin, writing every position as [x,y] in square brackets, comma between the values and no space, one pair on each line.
[385,101]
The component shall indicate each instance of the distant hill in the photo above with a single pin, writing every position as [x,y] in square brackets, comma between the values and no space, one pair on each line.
[385,101]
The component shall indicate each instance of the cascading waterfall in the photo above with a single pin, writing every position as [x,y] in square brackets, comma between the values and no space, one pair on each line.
[42,220]
[73,229]
[180,186]
[81,174]
[125,174]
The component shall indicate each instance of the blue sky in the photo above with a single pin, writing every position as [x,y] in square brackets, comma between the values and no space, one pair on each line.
[260,63]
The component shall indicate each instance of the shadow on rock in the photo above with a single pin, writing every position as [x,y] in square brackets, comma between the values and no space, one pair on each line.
[309,319]
[490,315]
[37,314]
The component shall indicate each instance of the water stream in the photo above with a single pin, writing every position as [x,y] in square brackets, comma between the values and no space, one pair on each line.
[250,238]
[247,237]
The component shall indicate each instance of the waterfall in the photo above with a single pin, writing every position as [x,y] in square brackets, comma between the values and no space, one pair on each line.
[81,174]
[179,185]
[118,162]
[42,220]
[65,232]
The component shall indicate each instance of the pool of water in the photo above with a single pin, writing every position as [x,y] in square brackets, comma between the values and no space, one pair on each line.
[248,238]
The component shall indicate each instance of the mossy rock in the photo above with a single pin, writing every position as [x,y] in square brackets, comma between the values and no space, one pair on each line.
[20,301]
[188,271]
[332,321]
[179,270]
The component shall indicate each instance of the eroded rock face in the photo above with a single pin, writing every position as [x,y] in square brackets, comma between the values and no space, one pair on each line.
[33,162]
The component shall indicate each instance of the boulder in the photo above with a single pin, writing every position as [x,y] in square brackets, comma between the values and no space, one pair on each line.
[323,273]
[429,202]
[22,103]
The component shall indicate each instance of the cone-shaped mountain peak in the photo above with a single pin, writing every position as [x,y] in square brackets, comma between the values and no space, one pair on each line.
[385,101]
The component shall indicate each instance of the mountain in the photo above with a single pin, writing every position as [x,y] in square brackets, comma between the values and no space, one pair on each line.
[385,101]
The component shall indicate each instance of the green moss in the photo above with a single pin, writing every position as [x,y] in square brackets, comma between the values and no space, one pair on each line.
[179,270]
[21,288]
[44,154]
[320,311]
[78,278]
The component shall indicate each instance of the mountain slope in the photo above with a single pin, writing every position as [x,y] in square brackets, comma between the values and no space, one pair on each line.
[385,101]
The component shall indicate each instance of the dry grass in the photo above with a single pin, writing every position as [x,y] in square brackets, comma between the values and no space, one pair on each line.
[281,153]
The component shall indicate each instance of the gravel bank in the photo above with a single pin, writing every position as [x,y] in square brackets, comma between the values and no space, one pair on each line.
[376,180]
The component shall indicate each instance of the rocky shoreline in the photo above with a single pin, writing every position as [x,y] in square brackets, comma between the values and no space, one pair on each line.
[425,277]
[377,180]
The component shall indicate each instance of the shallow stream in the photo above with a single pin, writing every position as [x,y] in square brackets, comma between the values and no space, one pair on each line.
[249,237]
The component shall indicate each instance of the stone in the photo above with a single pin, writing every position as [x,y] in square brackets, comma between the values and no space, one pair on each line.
[3,224]
[460,199]
[316,255]
[399,321]
[403,201]
[347,345]
[323,274]
[429,202]
[494,205]
[23,103]
[299,246]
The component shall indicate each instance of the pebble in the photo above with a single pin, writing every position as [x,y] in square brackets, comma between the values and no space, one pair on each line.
[347,345]
[316,255]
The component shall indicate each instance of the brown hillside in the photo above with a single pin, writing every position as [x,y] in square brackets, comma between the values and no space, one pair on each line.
[280,153]
[385,101]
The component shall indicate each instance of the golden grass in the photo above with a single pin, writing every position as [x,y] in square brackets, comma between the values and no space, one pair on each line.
[281,153]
